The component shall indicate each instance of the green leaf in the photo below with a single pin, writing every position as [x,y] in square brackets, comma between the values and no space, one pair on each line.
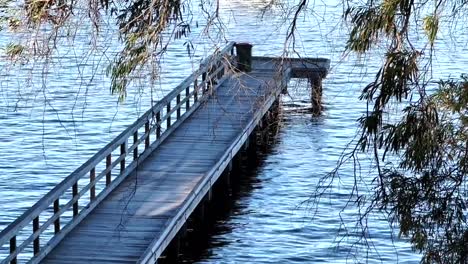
[431,27]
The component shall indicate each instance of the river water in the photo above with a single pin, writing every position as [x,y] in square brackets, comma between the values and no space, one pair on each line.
[48,131]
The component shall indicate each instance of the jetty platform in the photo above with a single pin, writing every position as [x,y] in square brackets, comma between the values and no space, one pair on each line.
[133,198]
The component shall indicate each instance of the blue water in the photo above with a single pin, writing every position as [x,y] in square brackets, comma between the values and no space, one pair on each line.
[48,131]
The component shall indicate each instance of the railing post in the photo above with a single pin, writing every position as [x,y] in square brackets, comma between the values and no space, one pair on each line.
[37,245]
[13,249]
[109,173]
[135,150]
[221,72]
[92,177]
[158,124]
[244,57]
[178,106]
[147,138]
[123,151]
[187,97]
[75,194]
[205,84]
[195,90]
[209,79]
[57,221]
[168,107]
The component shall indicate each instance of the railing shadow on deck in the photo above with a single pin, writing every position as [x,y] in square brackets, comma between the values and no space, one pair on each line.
[35,233]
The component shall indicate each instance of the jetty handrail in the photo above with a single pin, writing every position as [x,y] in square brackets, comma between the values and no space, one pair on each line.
[158,122]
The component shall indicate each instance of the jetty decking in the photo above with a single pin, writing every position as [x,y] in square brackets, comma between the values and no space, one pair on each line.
[129,201]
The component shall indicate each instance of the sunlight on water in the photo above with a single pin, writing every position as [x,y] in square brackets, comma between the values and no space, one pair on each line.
[47,132]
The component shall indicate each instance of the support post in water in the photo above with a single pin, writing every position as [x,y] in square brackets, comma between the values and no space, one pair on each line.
[316,93]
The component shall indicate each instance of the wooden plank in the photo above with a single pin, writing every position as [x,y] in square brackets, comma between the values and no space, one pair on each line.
[91,258]
[99,236]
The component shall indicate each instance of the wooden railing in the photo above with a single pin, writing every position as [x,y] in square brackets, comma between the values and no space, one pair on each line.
[34,234]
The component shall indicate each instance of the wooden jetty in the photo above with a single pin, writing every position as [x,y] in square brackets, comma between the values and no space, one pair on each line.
[132,199]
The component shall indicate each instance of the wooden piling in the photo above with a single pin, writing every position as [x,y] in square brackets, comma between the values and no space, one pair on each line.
[316,93]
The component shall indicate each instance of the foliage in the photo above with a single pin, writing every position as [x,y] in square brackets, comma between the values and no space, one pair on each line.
[13,51]
[420,151]
[144,27]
